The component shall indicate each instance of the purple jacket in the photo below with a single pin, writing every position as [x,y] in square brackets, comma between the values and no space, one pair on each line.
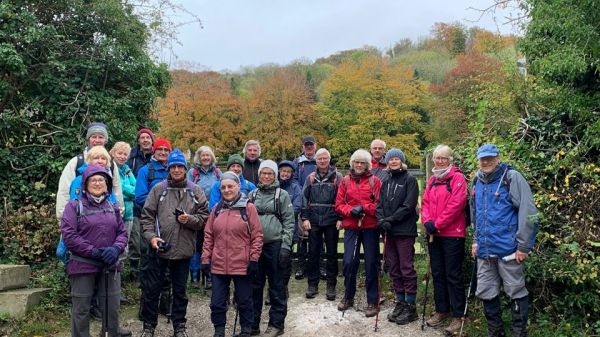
[98,227]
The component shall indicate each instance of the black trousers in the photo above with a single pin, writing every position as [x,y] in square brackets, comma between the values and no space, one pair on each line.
[318,234]
[446,255]
[268,268]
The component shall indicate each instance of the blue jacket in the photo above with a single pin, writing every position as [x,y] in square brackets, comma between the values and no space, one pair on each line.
[75,189]
[303,167]
[295,193]
[204,178]
[504,212]
[215,192]
[143,185]
[128,187]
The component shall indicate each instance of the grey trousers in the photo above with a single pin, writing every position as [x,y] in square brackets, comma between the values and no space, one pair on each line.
[492,273]
[135,240]
[82,289]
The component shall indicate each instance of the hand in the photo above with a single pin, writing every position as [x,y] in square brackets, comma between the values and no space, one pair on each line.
[205,268]
[110,255]
[306,225]
[430,227]
[520,256]
[252,269]
[284,258]
[338,225]
[183,218]
[474,250]
[385,225]
[357,211]
[97,253]
[154,242]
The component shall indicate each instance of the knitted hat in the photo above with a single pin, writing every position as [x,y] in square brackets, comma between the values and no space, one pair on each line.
[161,142]
[268,164]
[147,131]
[231,176]
[176,157]
[235,159]
[395,153]
[487,150]
[96,127]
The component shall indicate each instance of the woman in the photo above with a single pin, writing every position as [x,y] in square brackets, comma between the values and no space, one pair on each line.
[397,216]
[232,246]
[120,154]
[205,174]
[97,155]
[95,234]
[443,216]
[356,201]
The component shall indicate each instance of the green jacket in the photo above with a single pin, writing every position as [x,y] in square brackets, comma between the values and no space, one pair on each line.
[276,227]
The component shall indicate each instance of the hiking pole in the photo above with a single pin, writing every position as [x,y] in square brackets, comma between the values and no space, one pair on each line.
[426,286]
[462,323]
[379,283]
[105,318]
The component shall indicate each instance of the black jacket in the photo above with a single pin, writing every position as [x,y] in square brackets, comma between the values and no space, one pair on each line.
[250,170]
[137,160]
[397,204]
[318,198]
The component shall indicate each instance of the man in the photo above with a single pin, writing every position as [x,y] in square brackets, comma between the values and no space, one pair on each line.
[141,154]
[174,210]
[505,219]
[378,159]
[235,163]
[320,219]
[251,161]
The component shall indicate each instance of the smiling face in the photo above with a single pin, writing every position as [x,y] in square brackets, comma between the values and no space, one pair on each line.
[266,176]
[323,161]
[251,152]
[229,189]
[97,139]
[161,154]
[145,142]
[359,166]
[99,160]
[96,185]
[488,164]
[205,159]
[235,168]
[120,157]
[285,173]
[177,172]
[395,163]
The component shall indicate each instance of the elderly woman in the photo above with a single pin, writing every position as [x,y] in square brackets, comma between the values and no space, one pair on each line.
[97,155]
[397,216]
[356,200]
[443,215]
[205,174]
[233,242]
[94,232]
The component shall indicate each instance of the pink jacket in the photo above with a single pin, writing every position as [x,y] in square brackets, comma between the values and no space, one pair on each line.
[230,242]
[444,203]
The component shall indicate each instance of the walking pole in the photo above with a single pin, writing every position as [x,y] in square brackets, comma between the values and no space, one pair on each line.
[426,286]
[105,318]
[379,283]
[462,323]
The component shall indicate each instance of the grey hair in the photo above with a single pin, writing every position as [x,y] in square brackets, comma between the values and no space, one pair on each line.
[444,150]
[380,141]
[202,149]
[323,150]
[251,142]
[363,155]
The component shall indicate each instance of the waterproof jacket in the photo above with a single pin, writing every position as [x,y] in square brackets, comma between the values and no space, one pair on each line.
[318,198]
[358,191]
[230,242]
[137,160]
[100,225]
[276,227]
[378,168]
[162,201]
[505,216]
[295,193]
[128,187]
[398,203]
[205,178]
[144,184]
[215,192]
[444,202]
[303,167]
[68,175]
[76,190]
[250,170]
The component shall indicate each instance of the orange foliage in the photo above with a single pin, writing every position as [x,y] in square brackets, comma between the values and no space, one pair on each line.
[484,41]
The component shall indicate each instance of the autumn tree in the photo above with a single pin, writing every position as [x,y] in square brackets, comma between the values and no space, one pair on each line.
[450,36]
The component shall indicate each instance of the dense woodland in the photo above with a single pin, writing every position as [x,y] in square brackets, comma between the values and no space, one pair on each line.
[65,63]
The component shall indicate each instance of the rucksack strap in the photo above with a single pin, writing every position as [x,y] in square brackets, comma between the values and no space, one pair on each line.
[80,161]
[189,188]
[150,177]
[347,179]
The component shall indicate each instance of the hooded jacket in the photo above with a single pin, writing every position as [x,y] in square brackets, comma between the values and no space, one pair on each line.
[318,198]
[215,192]
[397,203]
[138,159]
[205,178]
[446,208]
[275,228]
[303,167]
[162,201]
[230,242]
[100,226]
[358,191]
[128,187]
[143,184]
[295,193]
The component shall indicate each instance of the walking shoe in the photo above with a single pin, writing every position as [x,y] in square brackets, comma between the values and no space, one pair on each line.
[299,274]
[398,309]
[219,331]
[345,304]
[95,313]
[371,310]
[122,332]
[408,315]
[330,293]
[312,291]
[246,332]
[437,318]
[454,326]
[322,273]
[179,330]
[255,332]
[208,285]
[147,332]
[273,332]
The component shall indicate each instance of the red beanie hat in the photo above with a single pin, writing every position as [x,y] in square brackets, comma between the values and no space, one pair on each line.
[148,131]
[161,142]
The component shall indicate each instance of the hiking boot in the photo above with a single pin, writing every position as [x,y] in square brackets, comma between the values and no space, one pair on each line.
[246,332]
[147,332]
[454,327]
[330,293]
[312,291]
[208,285]
[371,310]
[323,273]
[121,332]
[219,331]
[272,332]
[179,330]
[254,332]
[437,318]
[299,274]
[345,304]
[408,315]
[398,309]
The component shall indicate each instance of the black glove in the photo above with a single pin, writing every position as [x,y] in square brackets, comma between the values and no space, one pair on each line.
[357,211]
[430,227]
[205,268]
[252,269]
[284,258]
[385,225]
[110,255]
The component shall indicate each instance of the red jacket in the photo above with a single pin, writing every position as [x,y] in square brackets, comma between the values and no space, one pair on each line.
[230,242]
[446,208]
[354,192]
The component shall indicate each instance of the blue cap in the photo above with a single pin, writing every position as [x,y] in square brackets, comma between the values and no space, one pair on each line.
[487,150]
[176,157]
[394,152]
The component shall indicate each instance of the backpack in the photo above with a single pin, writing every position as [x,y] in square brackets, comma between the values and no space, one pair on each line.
[189,188]
[471,192]
[346,180]
[62,251]
[277,213]
[311,178]
[196,174]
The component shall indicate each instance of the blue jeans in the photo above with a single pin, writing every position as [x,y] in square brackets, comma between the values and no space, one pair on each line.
[369,238]
[268,268]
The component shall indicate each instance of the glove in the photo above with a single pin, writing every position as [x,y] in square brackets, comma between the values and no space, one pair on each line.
[430,227]
[385,225]
[205,268]
[252,269]
[357,211]
[110,255]
[284,258]
[97,253]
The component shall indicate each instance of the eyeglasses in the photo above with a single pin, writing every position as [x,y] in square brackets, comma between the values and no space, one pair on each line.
[264,173]
[360,162]
[441,158]
[97,181]
[162,149]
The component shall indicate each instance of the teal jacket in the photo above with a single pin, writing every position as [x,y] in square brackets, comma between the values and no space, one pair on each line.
[128,187]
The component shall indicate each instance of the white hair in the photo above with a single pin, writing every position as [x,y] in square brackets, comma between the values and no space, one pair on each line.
[201,150]
[323,150]
[443,150]
[249,143]
[361,155]
[378,141]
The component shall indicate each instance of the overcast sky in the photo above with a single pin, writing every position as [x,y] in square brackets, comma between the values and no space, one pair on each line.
[254,32]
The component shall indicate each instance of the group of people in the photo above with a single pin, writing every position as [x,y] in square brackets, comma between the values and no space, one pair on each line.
[171,219]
